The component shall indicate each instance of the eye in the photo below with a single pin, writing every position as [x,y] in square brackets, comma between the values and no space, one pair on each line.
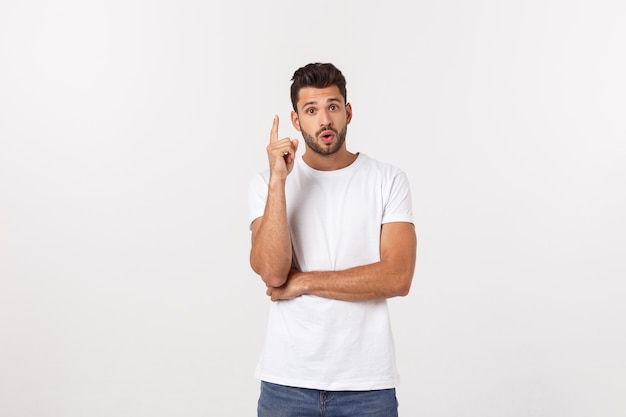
[310,110]
[333,107]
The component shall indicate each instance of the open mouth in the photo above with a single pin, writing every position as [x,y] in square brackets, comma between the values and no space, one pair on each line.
[327,136]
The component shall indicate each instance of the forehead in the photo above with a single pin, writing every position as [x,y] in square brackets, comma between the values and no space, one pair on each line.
[310,95]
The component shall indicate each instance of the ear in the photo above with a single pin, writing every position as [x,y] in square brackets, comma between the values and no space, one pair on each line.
[348,113]
[295,121]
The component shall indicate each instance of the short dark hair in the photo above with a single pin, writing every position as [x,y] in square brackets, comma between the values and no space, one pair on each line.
[316,75]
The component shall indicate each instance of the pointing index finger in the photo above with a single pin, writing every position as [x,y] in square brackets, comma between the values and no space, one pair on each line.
[274,131]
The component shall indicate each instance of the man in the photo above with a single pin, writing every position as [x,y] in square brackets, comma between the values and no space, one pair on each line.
[332,239]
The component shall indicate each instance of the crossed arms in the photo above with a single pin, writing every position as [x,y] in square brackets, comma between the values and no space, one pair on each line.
[271,254]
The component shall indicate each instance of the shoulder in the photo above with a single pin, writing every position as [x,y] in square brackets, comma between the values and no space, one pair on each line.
[383,167]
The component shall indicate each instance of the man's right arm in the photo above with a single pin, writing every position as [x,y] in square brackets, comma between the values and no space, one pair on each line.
[270,255]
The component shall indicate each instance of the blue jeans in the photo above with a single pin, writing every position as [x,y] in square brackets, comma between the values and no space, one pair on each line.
[281,401]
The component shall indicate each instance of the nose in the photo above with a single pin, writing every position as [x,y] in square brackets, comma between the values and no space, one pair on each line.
[325,119]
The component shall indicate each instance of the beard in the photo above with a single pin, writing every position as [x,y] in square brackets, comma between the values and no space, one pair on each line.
[325,150]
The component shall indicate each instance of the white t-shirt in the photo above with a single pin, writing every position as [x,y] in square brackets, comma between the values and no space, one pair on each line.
[334,219]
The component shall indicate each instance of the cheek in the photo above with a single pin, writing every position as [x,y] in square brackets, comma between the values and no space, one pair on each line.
[305,125]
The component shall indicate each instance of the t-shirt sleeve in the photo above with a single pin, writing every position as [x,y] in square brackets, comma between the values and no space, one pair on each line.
[257,196]
[399,206]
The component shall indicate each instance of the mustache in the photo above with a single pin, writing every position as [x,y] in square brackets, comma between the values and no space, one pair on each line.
[325,129]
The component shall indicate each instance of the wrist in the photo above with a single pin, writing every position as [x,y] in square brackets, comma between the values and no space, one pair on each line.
[277,181]
[303,281]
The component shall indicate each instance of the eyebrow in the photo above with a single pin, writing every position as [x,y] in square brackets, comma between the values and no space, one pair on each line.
[330,100]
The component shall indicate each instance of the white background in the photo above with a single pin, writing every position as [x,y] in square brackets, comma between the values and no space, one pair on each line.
[129,131]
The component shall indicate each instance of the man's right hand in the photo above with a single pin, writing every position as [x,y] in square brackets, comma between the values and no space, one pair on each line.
[280,153]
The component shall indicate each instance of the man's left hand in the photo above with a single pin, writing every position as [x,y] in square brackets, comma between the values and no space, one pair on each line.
[289,290]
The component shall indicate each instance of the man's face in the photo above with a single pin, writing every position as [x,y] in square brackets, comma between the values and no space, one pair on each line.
[322,118]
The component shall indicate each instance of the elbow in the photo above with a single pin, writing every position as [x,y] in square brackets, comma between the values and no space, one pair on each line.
[273,280]
[403,285]
[404,277]
[403,290]
[271,275]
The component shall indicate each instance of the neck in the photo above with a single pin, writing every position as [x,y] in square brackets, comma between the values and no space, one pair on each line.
[333,162]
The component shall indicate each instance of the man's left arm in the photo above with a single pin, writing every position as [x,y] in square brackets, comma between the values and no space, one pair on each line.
[390,277]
